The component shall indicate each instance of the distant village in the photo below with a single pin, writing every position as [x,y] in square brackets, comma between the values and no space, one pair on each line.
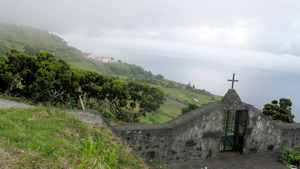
[101,58]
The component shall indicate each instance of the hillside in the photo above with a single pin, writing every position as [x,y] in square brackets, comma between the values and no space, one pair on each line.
[48,138]
[30,40]
[178,94]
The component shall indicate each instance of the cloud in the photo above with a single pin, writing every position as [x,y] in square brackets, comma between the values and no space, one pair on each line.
[271,26]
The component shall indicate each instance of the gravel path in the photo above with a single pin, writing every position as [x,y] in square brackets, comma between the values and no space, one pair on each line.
[90,116]
[102,68]
[4,104]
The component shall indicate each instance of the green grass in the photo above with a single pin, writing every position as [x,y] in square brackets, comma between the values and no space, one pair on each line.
[11,44]
[183,96]
[117,68]
[166,112]
[47,138]
[84,65]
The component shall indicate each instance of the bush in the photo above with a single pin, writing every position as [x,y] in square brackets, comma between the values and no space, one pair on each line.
[44,79]
[190,107]
[290,156]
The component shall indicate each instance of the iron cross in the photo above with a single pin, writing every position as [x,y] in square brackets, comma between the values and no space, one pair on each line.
[233,80]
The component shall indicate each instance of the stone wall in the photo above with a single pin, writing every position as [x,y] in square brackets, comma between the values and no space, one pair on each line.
[197,134]
[262,134]
[290,134]
[188,137]
[199,138]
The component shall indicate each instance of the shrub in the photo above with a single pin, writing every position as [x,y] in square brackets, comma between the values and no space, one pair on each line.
[190,107]
[290,156]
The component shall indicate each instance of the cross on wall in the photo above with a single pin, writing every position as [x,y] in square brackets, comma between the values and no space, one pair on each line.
[233,80]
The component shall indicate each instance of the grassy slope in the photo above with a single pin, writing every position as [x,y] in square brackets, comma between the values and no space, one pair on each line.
[47,138]
[19,36]
[84,65]
[165,113]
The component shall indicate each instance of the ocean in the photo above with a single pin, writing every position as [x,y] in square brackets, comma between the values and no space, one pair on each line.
[262,77]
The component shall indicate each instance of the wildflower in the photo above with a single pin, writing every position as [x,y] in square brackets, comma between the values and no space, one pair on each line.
[23,158]
[33,162]
[22,151]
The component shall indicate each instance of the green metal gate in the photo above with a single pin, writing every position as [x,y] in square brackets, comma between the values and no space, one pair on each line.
[229,131]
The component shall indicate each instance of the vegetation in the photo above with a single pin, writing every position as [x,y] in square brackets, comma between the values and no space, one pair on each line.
[47,80]
[290,156]
[190,107]
[132,102]
[166,112]
[280,112]
[48,138]
[83,65]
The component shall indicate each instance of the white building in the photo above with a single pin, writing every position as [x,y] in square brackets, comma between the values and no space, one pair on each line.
[88,55]
[102,58]
[106,59]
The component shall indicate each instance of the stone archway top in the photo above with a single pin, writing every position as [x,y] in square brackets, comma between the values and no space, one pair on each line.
[231,98]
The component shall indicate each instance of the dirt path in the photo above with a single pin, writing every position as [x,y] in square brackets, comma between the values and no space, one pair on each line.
[176,103]
[102,68]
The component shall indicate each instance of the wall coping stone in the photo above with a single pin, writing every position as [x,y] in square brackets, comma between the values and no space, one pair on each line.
[289,126]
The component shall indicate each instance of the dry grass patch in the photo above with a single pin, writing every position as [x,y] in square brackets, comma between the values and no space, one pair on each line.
[7,161]
[39,113]
[70,132]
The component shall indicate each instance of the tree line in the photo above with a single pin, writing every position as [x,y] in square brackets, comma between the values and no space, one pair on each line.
[44,79]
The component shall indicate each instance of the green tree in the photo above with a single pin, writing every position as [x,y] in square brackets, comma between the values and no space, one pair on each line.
[145,97]
[159,77]
[116,95]
[281,112]
[137,100]
[17,72]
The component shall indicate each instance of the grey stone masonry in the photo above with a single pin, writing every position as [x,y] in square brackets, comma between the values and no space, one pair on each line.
[290,134]
[197,134]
